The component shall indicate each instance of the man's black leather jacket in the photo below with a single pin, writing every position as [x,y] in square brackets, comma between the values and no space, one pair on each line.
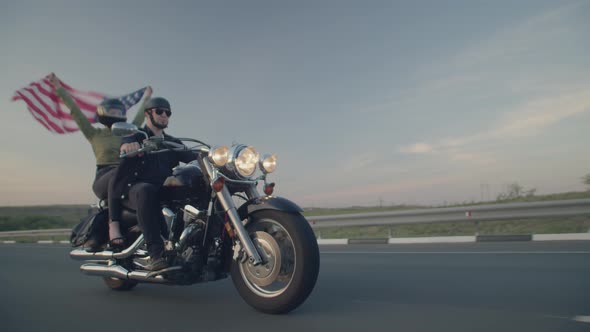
[150,168]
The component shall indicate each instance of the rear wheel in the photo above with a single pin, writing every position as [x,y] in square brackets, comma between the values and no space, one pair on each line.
[291,264]
[119,284]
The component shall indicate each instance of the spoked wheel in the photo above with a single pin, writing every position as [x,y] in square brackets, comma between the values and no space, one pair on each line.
[119,284]
[290,265]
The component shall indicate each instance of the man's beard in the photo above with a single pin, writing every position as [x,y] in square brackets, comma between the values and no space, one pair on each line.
[157,125]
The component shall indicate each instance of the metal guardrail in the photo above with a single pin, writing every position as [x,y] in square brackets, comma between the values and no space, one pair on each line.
[474,213]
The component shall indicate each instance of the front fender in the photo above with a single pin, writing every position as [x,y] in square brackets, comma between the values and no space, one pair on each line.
[267,203]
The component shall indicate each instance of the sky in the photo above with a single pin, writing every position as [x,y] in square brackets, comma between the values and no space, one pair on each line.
[363,102]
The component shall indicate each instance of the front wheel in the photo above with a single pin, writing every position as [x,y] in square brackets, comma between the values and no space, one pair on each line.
[291,262]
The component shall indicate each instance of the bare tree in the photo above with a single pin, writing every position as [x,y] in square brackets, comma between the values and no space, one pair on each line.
[515,190]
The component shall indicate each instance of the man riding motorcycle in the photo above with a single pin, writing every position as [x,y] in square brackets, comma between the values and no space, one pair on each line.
[138,180]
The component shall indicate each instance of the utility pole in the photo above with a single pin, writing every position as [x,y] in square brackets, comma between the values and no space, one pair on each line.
[484,190]
[481,192]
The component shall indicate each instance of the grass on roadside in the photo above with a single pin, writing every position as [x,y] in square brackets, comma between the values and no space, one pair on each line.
[41,217]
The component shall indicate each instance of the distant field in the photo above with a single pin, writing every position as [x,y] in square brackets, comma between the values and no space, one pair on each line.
[41,217]
[66,216]
[364,209]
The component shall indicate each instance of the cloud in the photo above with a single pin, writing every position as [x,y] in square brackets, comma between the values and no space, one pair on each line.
[358,161]
[542,31]
[417,148]
[530,118]
[512,74]
[478,158]
[519,82]
[537,115]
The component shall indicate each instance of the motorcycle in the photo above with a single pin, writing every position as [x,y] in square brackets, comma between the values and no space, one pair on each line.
[265,244]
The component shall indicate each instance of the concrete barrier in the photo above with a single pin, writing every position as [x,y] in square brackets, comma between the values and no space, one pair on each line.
[501,238]
[368,241]
[561,237]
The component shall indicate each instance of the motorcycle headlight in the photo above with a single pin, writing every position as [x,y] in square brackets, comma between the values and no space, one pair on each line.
[268,163]
[246,161]
[219,155]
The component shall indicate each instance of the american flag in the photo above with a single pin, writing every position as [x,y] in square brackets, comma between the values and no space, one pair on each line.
[47,108]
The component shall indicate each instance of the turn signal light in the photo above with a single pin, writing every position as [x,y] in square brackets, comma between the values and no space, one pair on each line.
[269,188]
[218,184]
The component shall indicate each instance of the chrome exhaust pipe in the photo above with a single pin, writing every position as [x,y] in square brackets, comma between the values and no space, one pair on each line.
[117,271]
[145,276]
[101,270]
[81,254]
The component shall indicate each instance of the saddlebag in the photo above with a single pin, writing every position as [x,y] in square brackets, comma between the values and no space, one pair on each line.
[94,226]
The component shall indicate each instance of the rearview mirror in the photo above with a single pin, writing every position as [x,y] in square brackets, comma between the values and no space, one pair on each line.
[123,129]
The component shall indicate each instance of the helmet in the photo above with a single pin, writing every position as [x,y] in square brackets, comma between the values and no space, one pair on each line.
[156,102]
[106,118]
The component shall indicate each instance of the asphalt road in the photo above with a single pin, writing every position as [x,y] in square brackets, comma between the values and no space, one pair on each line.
[527,286]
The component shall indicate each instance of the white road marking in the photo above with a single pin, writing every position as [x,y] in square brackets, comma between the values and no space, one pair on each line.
[332,241]
[434,239]
[582,319]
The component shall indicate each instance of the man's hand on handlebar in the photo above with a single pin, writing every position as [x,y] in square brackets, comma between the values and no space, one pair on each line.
[129,148]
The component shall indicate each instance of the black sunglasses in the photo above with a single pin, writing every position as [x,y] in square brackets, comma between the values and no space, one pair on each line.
[159,111]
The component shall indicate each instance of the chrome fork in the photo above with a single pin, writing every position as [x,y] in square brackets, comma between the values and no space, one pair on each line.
[232,212]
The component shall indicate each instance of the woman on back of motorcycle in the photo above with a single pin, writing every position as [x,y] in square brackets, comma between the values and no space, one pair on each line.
[104,144]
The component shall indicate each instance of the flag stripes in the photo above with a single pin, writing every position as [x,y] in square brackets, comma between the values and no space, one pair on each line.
[48,109]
